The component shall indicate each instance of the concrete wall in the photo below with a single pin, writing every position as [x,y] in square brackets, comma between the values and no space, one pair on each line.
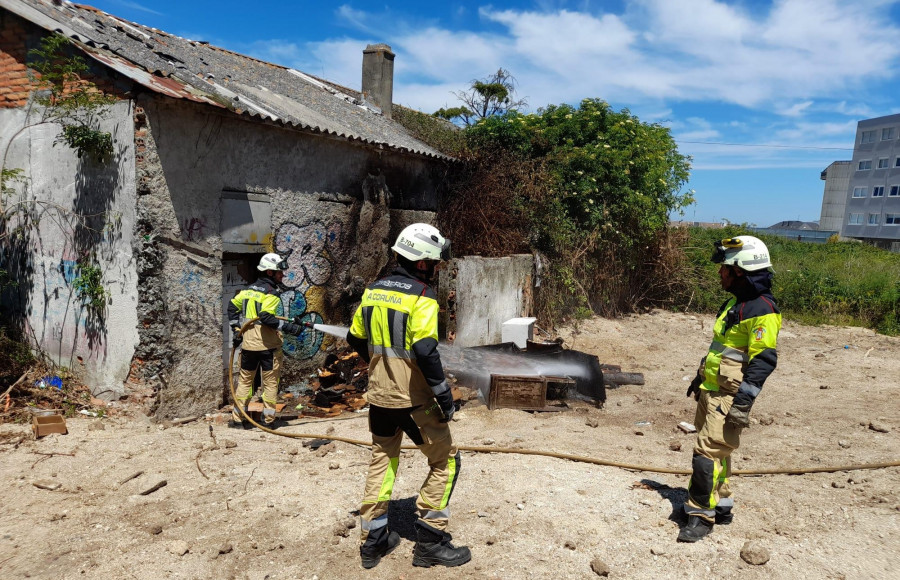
[44,260]
[834,200]
[483,293]
[888,177]
[335,241]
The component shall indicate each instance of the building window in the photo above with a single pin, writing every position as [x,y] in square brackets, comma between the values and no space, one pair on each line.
[859,192]
[855,219]
[878,191]
[867,137]
[863,165]
[892,219]
[887,134]
[897,162]
[883,163]
[895,190]
[873,219]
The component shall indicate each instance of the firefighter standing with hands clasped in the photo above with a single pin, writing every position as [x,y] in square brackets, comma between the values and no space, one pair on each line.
[741,357]
[261,350]
[395,330]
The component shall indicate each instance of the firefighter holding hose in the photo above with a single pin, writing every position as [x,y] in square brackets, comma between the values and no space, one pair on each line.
[395,330]
[261,343]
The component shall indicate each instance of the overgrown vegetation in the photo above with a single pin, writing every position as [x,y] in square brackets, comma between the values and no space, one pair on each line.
[833,283]
[68,99]
[77,106]
[587,187]
[489,97]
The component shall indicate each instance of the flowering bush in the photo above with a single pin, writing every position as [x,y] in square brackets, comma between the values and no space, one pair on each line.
[596,197]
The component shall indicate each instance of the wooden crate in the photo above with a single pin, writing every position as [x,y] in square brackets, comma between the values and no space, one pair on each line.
[516,392]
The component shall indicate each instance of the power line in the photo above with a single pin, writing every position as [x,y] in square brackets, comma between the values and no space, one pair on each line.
[771,146]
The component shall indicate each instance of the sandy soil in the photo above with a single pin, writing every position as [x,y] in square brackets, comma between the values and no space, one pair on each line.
[246,504]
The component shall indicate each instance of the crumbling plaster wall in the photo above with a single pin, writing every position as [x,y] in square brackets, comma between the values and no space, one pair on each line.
[330,217]
[482,293]
[45,261]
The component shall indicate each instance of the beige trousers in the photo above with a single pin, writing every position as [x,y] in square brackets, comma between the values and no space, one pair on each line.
[716,440]
[267,362]
[435,442]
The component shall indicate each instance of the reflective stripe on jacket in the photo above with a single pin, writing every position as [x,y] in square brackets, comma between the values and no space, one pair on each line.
[397,321]
[743,351]
[261,300]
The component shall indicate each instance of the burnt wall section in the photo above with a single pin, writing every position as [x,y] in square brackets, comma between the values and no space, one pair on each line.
[481,294]
[335,206]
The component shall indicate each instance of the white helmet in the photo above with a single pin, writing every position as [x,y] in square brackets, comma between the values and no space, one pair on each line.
[422,242]
[272,262]
[746,252]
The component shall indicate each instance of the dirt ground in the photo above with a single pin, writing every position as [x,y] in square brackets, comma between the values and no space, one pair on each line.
[247,504]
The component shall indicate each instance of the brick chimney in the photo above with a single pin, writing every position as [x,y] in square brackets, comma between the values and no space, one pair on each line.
[378,77]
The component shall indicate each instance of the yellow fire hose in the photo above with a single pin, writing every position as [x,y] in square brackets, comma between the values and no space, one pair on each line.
[579,458]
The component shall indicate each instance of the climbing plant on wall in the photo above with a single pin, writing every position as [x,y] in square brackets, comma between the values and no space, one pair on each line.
[61,96]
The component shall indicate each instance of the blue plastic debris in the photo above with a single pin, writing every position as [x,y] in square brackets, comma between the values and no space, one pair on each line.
[49,381]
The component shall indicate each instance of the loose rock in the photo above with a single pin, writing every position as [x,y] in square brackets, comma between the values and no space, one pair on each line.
[570,544]
[229,444]
[179,547]
[754,553]
[879,427]
[592,422]
[844,444]
[675,446]
[600,567]
[96,426]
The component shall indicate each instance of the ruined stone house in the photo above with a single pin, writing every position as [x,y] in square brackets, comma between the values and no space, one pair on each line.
[219,158]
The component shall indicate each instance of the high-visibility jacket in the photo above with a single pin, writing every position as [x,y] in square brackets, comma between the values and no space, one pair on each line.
[743,352]
[261,300]
[396,326]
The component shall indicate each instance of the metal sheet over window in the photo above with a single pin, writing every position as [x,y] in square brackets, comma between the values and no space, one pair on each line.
[246,221]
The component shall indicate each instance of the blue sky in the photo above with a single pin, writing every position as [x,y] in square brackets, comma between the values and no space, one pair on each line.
[763,95]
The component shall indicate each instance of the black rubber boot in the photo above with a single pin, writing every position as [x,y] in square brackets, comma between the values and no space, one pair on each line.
[239,424]
[696,529]
[433,548]
[724,516]
[371,555]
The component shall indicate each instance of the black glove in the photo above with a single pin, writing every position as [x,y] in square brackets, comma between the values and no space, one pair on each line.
[739,414]
[291,328]
[444,397]
[298,319]
[236,337]
[694,388]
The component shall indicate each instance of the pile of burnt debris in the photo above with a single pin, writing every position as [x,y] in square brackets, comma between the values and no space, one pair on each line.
[548,375]
[338,386]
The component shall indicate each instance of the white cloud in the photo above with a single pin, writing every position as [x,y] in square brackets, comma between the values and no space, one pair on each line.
[795,110]
[782,71]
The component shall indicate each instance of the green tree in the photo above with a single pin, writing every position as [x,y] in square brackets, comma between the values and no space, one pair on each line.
[489,97]
[592,190]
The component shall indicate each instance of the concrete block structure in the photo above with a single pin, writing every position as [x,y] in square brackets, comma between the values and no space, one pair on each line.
[873,196]
[219,158]
[834,201]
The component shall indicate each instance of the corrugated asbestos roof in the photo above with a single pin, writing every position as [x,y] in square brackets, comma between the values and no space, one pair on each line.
[197,71]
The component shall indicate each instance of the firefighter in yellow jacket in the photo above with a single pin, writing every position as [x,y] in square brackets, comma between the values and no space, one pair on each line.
[261,350]
[395,329]
[740,359]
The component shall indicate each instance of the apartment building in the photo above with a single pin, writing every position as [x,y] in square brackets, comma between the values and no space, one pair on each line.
[873,197]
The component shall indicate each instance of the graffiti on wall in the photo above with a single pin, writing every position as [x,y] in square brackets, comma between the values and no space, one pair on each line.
[193,229]
[195,312]
[308,249]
